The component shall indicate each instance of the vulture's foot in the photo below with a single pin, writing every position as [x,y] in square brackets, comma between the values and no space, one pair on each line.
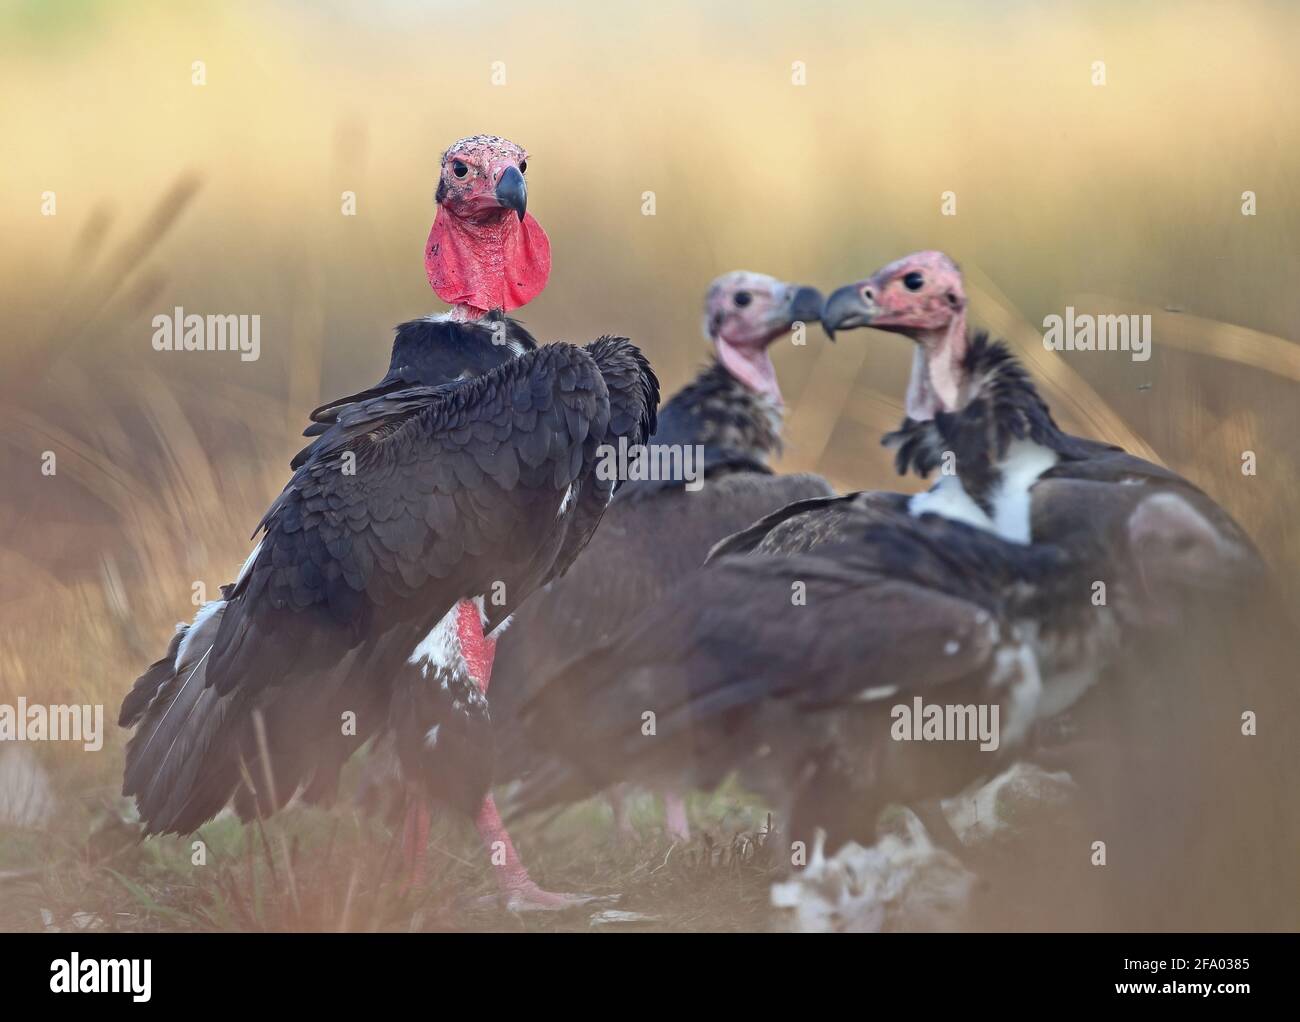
[528,897]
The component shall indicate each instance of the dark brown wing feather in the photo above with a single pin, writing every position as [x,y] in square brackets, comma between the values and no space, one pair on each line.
[409,502]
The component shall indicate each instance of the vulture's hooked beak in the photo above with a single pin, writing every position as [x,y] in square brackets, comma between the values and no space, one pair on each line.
[512,192]
[846,309]
[802,304]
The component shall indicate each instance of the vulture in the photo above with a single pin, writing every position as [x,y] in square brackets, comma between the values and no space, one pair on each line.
[1017,477]
[793,668]
[1170,727]
[728,420]
[741,680]
[974,413]
[423,511]
[1004,464]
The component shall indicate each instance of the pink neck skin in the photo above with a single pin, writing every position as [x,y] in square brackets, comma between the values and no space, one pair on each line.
[476,648]
[493,261]
[936,380]
[478,651]
[752,366]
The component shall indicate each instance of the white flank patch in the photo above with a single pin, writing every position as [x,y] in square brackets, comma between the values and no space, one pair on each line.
[1018,666]
[1069,671]
[431,737]
[440,648]
[879,692]
[1024,463]
[949,498]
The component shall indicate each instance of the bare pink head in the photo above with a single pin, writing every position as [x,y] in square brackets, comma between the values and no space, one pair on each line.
[922,297]
[485,250]
[745,312]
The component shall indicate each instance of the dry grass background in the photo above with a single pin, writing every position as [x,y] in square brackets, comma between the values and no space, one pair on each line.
[225,198]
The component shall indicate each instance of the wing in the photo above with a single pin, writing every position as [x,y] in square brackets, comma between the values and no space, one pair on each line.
[408,502]
[804,525]
[430,352]
[641,549]
[633,391]
[731,645]
[643,546]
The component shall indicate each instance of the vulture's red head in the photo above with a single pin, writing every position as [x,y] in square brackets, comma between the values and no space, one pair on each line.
[485,251]
[745,312]
[922,297]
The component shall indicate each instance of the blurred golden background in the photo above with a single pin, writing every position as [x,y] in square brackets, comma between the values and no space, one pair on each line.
[225,197]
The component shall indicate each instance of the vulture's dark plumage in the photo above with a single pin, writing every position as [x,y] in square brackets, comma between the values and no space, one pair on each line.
[423,512]
[787,667]
[657,530]
[1163,750]
[407,503]
[974,414]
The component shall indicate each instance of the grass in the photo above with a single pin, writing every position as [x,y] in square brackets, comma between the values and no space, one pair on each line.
[311,869]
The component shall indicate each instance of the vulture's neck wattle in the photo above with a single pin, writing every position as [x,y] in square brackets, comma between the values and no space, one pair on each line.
[939,373]
[751,365]
[497,262]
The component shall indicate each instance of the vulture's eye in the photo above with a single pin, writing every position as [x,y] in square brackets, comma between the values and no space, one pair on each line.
[523,166]
[459,169]
[913,281]
[742,299]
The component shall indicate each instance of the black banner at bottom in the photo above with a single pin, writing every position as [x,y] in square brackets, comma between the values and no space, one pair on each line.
[151,971]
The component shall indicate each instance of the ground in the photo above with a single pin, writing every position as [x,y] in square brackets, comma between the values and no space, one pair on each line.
[337,870]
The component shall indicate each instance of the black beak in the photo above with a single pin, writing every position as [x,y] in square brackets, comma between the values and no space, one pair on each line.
[511,192]
[846,309]
[804,305]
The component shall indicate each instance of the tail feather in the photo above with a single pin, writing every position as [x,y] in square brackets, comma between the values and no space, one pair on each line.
[178,714]
[197,745]
[149,684]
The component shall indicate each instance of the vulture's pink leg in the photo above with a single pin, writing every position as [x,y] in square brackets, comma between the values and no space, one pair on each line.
[679,827]
[520,892]
[415,841]
[517,887]
[617,797]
